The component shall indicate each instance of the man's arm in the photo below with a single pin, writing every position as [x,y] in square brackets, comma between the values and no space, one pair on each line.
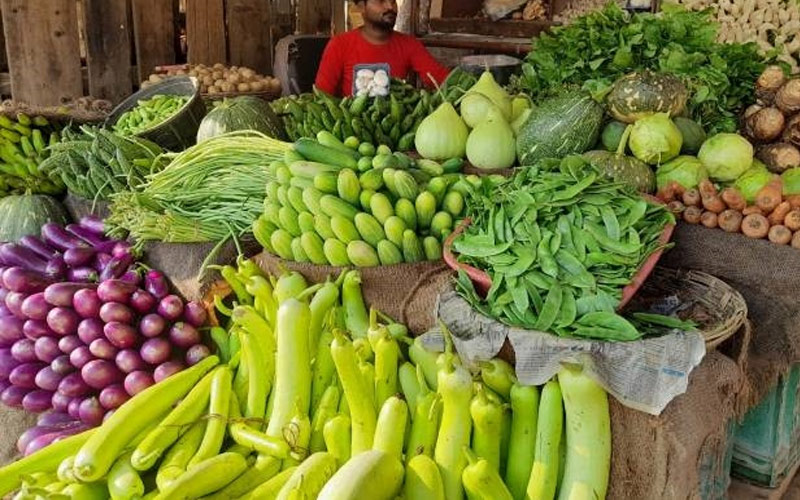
[329,74]
[425,65]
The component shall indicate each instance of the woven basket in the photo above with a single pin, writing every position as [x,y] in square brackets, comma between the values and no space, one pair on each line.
[718,309]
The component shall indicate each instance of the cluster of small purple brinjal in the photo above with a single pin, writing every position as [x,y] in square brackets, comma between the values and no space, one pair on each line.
[84,326]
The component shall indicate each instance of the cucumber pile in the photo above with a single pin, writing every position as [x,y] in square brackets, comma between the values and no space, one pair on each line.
[352,203]
[23,147]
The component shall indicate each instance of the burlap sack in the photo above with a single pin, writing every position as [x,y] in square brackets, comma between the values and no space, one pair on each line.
[13,422]
[182,263]
[80,207]
[767,276]
[406,292]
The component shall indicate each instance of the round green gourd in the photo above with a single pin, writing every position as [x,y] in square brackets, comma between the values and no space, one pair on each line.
[26,214]
[693,135]
[639,94]
[241,113]
[612,134]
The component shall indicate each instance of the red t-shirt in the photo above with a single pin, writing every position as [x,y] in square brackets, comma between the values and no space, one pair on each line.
[401,53]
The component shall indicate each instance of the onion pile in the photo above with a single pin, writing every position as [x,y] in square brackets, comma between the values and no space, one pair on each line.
[83,348]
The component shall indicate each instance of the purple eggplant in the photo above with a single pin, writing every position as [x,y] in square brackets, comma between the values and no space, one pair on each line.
[73,407]
[35,306]
[62,364]
[103,349]
[63,320]
[73,386]
[122,335]
[48,439]
[12,329]
[38,401]
[116,267]
[90,329]
[39,247]
[13,302]
[80,356]
[197,353]
[83,274]
[86,303]
[156,283]
[57,268]
[91,412]
[60,402]
[152,325]
[94,224]
[47,349]
[4,311]
[156,351]
[195,314]
[101,261]
[184,335]
[54,418]
[7,363]
[18,279]
[33,329]
[62,294]
[129,360]
[79,256]
[12,396]
[44,429]
[116,312]
[24,375]
[166,369]
[136,382]
[143,301]
[48,379]
[84,234]
[171,307]
[24,351]
[100,373]
[131,276]
[69,343]
[122,249]
[12,254]
[113,396]
[114,290]
[58,237]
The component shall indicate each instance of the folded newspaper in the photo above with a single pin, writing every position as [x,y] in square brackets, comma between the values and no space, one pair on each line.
[644,375]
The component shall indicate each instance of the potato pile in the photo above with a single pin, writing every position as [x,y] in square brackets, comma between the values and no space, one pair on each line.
[772,24]
[771,216]
[773,123]
[220,79]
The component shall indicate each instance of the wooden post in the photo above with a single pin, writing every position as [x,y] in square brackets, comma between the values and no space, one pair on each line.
[154,31]
[3,60]
[108,49]
[205,31]
[250,34]
[313,16]
[339,17]
[43,50]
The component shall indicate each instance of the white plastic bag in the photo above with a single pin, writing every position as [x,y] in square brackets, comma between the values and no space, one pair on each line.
[498,9]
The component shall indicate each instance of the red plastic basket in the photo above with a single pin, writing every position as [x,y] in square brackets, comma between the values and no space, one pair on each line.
[483,282]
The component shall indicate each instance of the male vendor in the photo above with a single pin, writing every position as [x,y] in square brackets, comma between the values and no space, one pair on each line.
[361,61]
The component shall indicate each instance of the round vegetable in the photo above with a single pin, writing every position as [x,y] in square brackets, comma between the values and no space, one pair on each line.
[103,348]
[143,301]
[100,373]
[184,335]
[136,382]
[687,171]
[164,370]
[152,325]
[171,307]
[655,139]
[155,351]
[726,156]
[129,360]
[90,329]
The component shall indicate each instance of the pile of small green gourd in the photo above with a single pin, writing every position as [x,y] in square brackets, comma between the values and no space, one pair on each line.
[150,113]
[351,203]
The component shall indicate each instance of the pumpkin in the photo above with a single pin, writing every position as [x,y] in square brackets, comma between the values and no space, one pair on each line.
[559,127]
[26,214]
[241,113]
[693,135]
[637,95]
[622,168]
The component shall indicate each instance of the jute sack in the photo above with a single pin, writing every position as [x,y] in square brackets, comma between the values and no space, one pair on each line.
[13,422]
[768,276]
[406,292]
[182,263]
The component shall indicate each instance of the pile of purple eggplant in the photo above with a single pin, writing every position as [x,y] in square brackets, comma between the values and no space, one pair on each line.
[84,326]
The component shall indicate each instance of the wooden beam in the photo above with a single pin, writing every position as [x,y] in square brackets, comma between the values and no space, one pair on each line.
[250,34]
[339,16]
[108,48]
[205,31]
[3,59]
[43,50]
[154,33]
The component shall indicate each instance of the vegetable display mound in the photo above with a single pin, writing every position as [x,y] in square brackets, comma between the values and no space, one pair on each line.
[598,48]
[559,242]
[150,113]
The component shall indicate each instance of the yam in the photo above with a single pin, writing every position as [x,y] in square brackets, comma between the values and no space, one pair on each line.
[767,85]
[791,132]
[780,234]
[755,226]
[765,125]
[779,156]
[787,98]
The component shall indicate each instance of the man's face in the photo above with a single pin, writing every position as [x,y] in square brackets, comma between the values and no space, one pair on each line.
[381,13]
